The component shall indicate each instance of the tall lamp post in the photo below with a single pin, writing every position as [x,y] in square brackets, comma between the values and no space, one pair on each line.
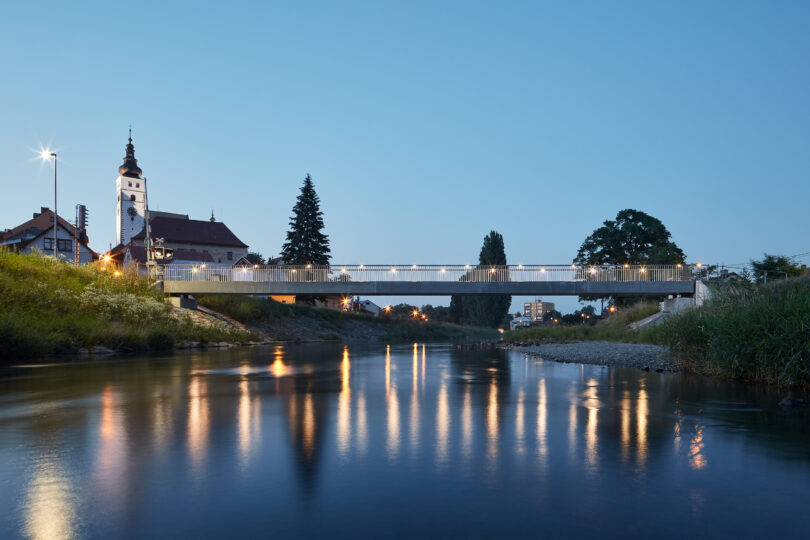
[45,154]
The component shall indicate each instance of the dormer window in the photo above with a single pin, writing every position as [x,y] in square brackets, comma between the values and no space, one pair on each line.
[130,184]
[137,184]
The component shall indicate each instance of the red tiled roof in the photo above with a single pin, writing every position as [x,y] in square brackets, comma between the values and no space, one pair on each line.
[41,223]
[42,220]
[191,231]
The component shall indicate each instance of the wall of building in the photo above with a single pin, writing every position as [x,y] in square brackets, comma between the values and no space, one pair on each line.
[68,254]
[129,225]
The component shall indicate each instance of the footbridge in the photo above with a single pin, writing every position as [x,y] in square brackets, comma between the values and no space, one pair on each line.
[430,280]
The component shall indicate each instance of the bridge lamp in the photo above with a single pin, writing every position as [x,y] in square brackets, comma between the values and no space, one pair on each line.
[542,270]
[573,266]
[202,266]
[491,270]
[194,270]
[413,266]
[361,267]
[293,270]
[342,270]
[643,270]
[466,266]
[393,270]
[699,265]
[520,266]
[442,270]
[255,266]
[244,270]
[593,270]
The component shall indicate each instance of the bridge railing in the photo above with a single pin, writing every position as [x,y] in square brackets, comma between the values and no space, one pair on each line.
[420,273]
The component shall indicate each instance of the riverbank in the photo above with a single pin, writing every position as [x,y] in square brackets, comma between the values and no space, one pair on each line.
[49,306]
[749,332]
[603,353]
[283,322]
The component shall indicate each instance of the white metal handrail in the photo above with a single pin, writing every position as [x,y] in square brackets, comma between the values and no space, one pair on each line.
[422,273]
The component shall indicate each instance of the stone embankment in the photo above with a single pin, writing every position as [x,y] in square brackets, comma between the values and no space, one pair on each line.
[602,353]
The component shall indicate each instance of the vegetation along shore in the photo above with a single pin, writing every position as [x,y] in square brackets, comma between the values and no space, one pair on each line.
[747,331]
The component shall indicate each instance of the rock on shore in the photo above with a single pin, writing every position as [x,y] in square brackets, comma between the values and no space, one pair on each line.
[604,353]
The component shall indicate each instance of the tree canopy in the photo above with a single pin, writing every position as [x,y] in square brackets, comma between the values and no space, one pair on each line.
[306,243]
[776,267]
[634,237]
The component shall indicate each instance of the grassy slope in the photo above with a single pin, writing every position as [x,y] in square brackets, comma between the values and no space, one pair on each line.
[749,332]
[49,306]
[611,329]
[330,324]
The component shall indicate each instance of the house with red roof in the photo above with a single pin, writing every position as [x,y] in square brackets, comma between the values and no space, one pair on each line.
[37,235]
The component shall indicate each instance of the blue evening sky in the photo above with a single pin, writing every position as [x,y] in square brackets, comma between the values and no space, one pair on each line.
[424,124]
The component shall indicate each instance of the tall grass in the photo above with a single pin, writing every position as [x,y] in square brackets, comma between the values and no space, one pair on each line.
[51,306]
[613,328]
[746,331]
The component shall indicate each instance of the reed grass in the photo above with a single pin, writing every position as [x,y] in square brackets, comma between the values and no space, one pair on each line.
[746,331]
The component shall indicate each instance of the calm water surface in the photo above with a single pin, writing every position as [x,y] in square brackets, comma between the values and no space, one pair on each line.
[406,441]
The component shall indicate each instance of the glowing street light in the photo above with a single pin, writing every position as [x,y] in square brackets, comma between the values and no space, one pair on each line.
[46,154]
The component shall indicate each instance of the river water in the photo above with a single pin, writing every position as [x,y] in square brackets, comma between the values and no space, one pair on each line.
[401,441]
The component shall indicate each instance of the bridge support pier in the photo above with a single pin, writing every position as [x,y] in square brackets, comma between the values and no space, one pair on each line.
[185,301]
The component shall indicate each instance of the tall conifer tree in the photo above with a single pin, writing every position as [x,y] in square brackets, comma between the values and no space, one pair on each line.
[484,310]
[306,243]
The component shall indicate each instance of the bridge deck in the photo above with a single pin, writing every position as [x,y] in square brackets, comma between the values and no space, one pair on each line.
[430,280]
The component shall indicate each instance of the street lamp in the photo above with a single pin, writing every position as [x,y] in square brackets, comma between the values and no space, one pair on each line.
[47,154]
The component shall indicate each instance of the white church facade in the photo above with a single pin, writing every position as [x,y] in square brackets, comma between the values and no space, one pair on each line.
[205,241]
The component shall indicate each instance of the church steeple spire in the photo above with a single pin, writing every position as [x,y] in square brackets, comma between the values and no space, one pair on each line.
[130,167]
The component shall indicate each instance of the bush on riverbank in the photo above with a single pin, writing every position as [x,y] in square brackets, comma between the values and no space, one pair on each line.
[275,317]
[51,306]
[613,328]
[746,331]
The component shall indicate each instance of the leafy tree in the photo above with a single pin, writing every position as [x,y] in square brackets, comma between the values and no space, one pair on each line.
[775,267]
[634,237]
[484,310]
[306,243]
[255,257]
[551,315]
[436,313]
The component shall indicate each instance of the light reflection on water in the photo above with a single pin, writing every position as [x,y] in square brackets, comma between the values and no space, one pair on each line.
[154,442]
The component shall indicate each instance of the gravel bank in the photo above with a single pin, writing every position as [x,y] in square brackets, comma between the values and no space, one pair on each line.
[603,353]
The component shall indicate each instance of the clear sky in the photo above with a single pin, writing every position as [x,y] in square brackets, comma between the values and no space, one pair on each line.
[424,124]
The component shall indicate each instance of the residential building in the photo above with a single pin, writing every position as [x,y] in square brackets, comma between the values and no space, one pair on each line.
[535,310]
[36,234]
[520,322]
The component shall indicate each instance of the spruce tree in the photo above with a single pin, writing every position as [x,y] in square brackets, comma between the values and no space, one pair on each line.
[306,243]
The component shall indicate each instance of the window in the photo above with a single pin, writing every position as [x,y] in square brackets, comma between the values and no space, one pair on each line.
[132,197]
[64,245]
[130,184]
[137,184]
[48,244]
[230,255]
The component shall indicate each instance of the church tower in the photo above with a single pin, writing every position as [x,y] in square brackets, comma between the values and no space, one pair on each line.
[130,191]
